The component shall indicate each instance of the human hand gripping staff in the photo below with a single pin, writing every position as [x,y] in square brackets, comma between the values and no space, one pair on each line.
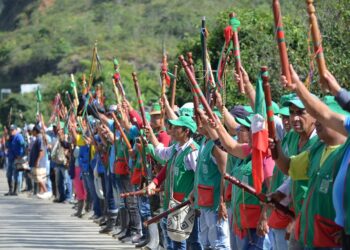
[269,109]
[195,96]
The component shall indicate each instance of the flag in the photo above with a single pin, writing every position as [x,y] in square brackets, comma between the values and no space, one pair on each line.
[38,95]
[260,137]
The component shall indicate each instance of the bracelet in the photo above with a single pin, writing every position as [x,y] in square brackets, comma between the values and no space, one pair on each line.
[217,143]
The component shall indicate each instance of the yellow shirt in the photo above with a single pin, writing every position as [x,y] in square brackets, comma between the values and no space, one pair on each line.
[81,142]
[299,164]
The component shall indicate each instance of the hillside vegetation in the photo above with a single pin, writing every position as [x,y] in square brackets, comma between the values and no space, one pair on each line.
[46,40]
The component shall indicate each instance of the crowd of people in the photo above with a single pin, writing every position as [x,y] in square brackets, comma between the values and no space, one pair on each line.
[181,155]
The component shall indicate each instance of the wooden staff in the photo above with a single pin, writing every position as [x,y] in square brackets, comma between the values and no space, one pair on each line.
[317,41]
[166,213]
[269,109]
[196,88]
[173,90]
[262,197]
[75,92]
[120,87]
[195,97]
[92,67]
[204,56]
[139,99]
[116,92]
[164,83]
[122,134]
[237,56]
[139,193]
[281,42]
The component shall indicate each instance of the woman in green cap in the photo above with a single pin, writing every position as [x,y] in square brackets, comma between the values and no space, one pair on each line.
[179,177]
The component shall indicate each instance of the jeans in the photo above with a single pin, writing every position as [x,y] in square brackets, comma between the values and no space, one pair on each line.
[48,180]
[214,233]
[278,239]
[124,185]
[28,180]
[60,177]
[254,242]
[68,185]
[13,175]
[109,196]
[145,207]
[193,241]
[90,188]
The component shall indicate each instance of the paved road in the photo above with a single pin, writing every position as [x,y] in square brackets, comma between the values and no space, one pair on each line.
[31,223]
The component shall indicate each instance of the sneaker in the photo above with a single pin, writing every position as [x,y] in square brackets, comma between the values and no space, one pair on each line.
[136,238]
[98,220]
[41,195]
[93,217]
[123,237]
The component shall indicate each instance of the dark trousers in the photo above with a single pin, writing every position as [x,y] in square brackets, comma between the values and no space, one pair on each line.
[124,186]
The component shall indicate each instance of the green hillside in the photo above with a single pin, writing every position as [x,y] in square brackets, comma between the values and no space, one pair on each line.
[46,40]
[57,36]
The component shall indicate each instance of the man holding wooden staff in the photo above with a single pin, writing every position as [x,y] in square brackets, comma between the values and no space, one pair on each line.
[315,226]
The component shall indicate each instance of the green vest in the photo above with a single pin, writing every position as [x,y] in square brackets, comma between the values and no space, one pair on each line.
[317,213]
[121,157]
[278,177]
[182,178]
[299,188]
[246,207]
[231,162]
[208,179]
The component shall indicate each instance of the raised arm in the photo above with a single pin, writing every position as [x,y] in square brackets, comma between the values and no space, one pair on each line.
[314,106]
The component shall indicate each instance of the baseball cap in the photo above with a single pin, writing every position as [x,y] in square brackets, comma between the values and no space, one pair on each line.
[185,121]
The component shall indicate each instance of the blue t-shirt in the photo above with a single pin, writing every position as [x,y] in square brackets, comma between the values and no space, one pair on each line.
[16,146]
[38,146]
[339,183]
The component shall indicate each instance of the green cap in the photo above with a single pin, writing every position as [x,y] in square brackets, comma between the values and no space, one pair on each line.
[245,121]
[295,100]
[187,109]
[185,121]
[115,61]
[156,109]
[275,108]
[284,111]
[285,98]
[333,105]
[248,109]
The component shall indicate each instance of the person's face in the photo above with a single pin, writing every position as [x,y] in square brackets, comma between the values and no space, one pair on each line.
[54,129]
[169,129]
[324,133]
[243,134]
[286,123]
[156,121]
[13,131]
[301,121]
[179,133]
[98,92]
